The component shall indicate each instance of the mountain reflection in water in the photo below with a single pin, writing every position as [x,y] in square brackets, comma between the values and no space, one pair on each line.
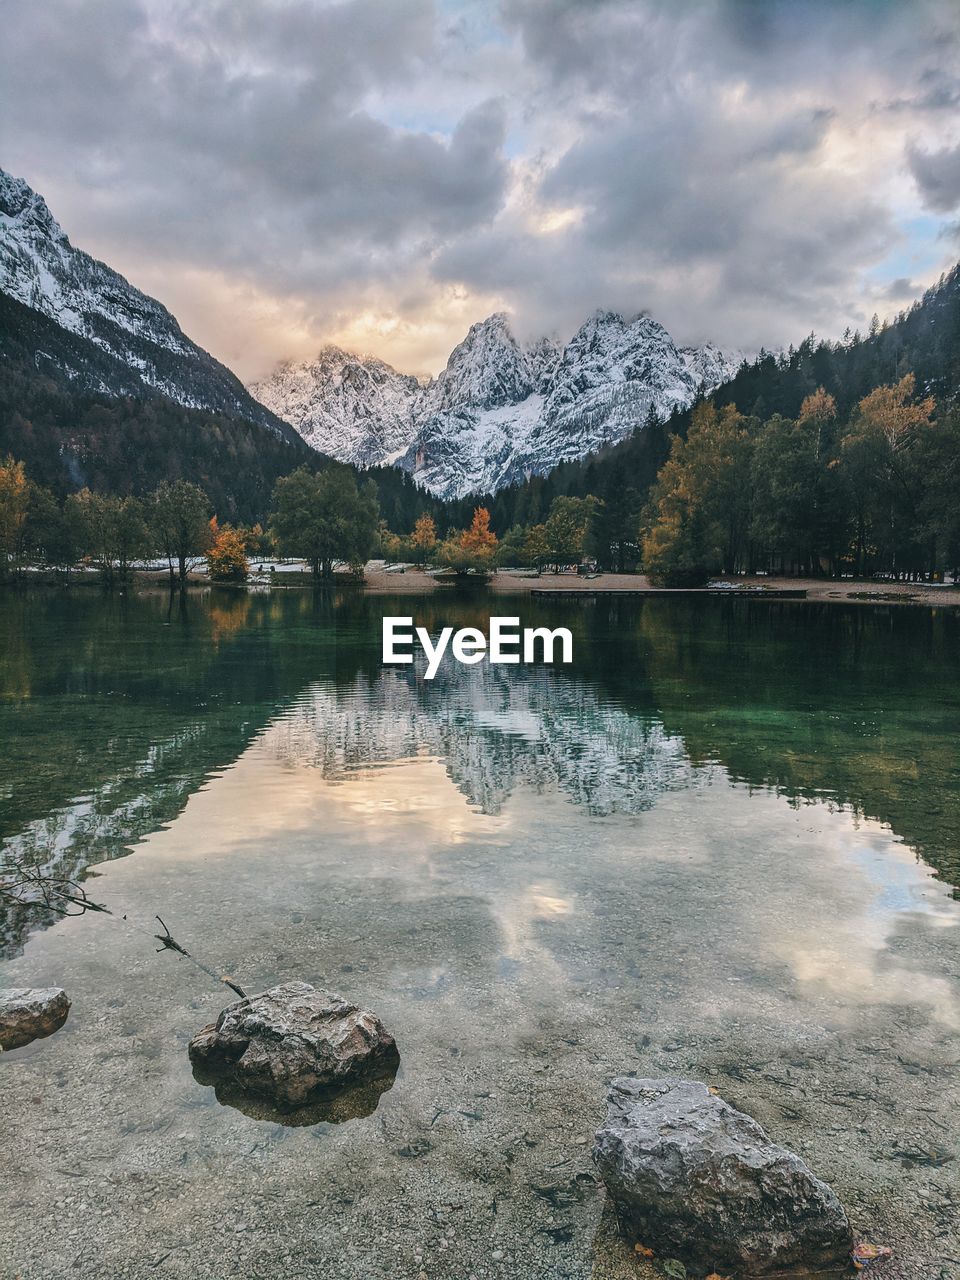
[493,733]
[114,710]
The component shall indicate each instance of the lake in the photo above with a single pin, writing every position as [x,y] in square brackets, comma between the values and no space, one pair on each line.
[723,843]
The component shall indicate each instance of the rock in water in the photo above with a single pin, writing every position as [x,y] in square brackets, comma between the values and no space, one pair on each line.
[293,1044]
[695,1179]
[29,1014]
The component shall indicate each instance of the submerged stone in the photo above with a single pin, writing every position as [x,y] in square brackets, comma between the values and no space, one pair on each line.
[294,1047]
[30,1013]
[333,1105]
[693,1178]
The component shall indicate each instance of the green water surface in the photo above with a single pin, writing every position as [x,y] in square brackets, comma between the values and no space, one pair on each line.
[723,843]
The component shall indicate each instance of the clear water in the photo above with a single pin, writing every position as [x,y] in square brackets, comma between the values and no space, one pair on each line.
[722,844]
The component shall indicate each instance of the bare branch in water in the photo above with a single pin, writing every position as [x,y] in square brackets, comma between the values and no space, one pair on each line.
[26,885]
[169,942]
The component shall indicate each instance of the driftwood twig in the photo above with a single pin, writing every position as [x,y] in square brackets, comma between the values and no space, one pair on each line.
[25,885]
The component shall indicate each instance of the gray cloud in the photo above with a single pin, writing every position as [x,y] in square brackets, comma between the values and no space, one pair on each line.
[738,168]
[610,46]
[903,289]
[937,174]
[239,133]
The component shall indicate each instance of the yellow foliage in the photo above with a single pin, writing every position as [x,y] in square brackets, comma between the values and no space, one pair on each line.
[479,539]
[424,536]
[14,505]
[893,411]
[227,558]
[819,407]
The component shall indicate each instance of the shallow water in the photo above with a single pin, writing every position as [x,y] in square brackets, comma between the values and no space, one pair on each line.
[721,844]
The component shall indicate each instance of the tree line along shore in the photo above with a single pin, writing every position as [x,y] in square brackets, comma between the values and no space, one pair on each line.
[870,494]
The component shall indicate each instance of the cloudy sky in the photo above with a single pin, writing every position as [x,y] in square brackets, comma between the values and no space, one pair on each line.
[381,173]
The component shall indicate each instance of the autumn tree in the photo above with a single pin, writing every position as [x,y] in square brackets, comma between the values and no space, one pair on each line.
[479,539]
[893,413]
[830,500]
[324,517]
[179,514]
[16,496]
[470,550]
[819,410]
[697,520]
[423,540]
[879,456]
[227,554]
[33,525]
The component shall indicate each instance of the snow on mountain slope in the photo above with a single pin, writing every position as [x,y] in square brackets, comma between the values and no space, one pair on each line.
[356,406]
[499,412]
[709,365]
[40,268]
[471,450]
[489,369]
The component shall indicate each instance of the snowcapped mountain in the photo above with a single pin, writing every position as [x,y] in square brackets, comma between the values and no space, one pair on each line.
[500,411]
[488,370]
[359,401]
[147,349]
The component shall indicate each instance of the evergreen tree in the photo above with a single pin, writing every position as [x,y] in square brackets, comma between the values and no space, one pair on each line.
[565,529]
[612,530]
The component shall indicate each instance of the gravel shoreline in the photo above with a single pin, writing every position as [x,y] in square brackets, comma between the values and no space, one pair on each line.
[866,591]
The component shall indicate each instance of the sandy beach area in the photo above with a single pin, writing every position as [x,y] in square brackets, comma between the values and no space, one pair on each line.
[416,582]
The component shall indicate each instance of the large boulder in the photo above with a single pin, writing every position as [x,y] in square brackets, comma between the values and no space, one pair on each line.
[292,1046]
[29,1013]
[693,1178]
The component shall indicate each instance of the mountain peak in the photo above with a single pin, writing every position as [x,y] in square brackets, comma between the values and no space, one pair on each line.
[354,407]
[488,368]
[604,316]
[500,411]
[41,269]
[19,203]
[496,322]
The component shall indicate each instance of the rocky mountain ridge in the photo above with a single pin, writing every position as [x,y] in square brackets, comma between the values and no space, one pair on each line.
[500,411]
[146,348]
